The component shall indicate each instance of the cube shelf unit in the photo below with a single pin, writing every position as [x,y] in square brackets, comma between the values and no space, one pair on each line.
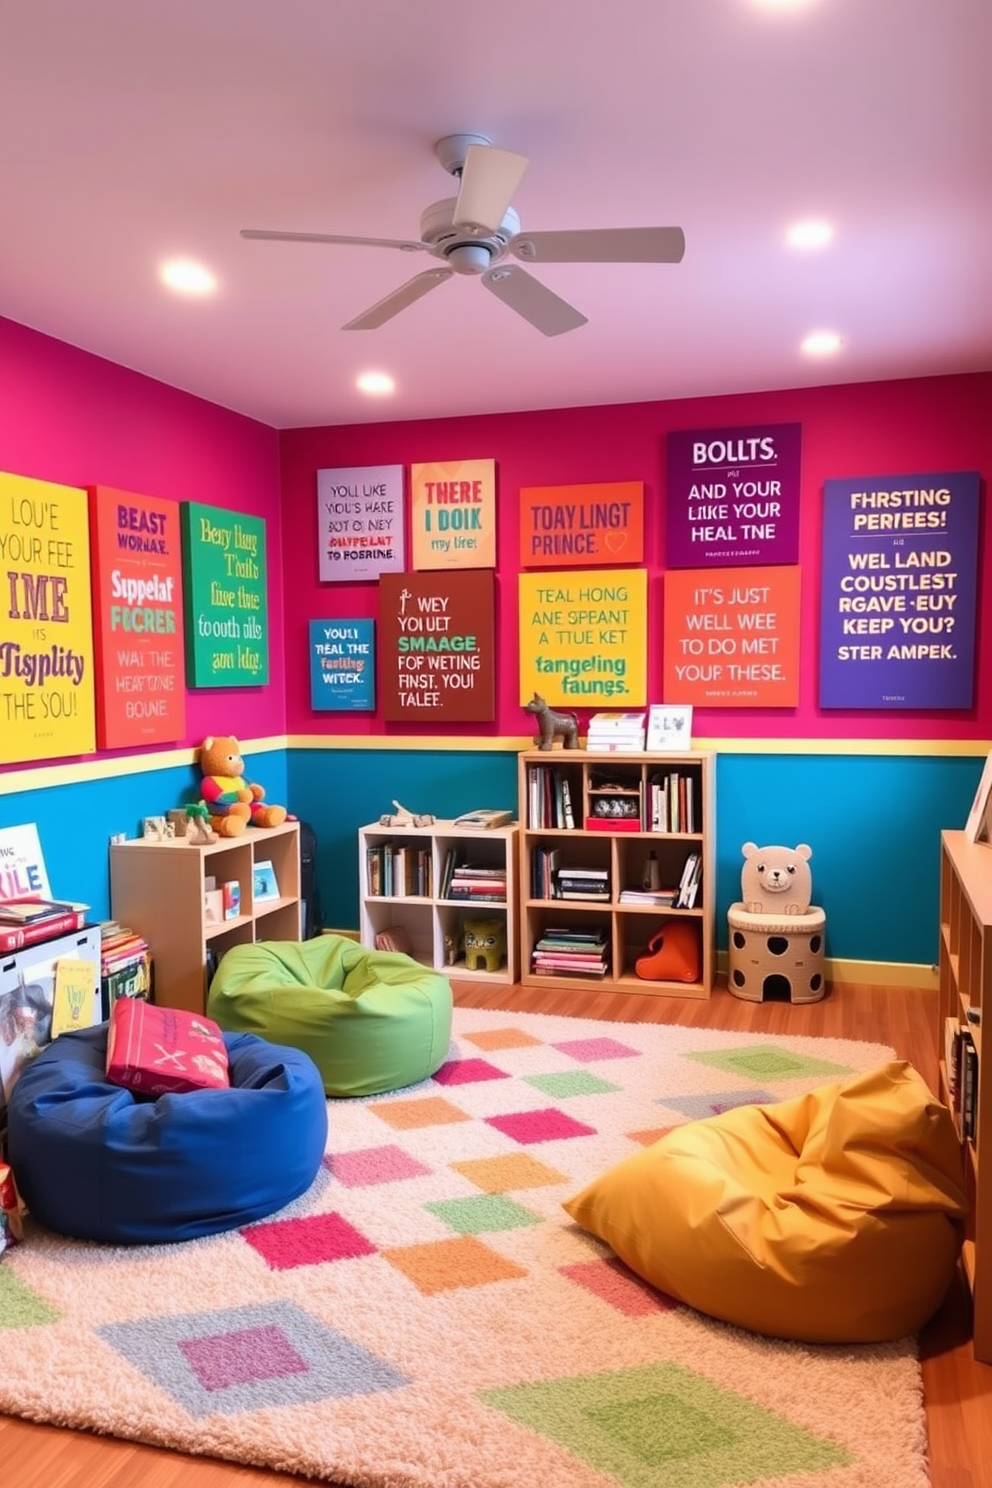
[432,920]
[965,970]
[551,782]
[157,889]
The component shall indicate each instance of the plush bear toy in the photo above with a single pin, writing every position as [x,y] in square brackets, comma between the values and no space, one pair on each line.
[776,880]
[233,802]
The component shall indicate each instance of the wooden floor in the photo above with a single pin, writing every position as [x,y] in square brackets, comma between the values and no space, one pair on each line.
[958,1391]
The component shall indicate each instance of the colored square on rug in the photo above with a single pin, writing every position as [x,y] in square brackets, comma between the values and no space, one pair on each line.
[372,1165]
[769,1062]
[449,1265]
[547,1125]
[491,1039]
[611,1281]
[284,1243]
[428,1313]
[243,1358]
[468,1072]
[587,1051]
[664,1424]
[501,1174]
[406,1115]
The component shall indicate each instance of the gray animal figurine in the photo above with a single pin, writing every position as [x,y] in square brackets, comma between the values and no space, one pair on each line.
[552,725]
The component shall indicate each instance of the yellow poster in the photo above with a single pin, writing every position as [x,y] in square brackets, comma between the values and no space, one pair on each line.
[583,637]
[47,702]
[453,514]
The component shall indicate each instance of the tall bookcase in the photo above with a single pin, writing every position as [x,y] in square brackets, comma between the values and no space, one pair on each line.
[417,897]
[157,889]
[965,968]
[604,815]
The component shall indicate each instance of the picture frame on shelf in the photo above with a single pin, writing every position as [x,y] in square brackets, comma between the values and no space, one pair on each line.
[669,727]
[978,828]
[264,882]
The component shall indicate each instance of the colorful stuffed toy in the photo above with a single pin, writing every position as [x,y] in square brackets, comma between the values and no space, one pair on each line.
[233,802]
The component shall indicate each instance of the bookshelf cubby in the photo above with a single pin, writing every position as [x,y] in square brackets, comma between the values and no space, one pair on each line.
[965,983]
[601,816]
[157,888]
[411,862]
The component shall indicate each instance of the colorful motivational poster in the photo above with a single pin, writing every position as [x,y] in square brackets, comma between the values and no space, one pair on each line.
[437,648]
[898,601]
[453,514]
[360,522]
[47,687]
[224,573]
[342,665]
[578,525]
[733,496]
[583,637]
[731,639]
[137,618]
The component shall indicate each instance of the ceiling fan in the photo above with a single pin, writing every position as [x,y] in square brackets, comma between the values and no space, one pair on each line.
[477,231]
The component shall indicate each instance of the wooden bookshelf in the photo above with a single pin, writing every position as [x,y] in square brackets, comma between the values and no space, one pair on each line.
[566,798]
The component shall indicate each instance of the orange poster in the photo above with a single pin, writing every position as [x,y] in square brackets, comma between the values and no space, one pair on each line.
[731,637]
[572,526]
[453,514]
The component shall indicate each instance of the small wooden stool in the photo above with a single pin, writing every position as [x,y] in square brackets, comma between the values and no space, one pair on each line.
[776,954]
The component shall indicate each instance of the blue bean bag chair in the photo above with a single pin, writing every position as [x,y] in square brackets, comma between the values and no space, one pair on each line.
[98,1162]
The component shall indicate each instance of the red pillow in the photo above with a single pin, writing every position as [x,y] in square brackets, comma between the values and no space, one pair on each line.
[159,1049]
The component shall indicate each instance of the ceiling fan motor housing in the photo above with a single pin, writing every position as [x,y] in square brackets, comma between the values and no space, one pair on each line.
[466,249]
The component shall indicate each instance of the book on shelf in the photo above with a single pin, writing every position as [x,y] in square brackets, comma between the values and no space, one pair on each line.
[27,910]
[952,1060]
[689,882]
[662,898]
[969,1085]
[616,725]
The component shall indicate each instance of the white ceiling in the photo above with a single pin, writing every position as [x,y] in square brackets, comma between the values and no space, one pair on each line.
[134,131]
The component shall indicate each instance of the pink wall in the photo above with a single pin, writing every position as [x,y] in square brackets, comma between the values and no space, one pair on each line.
[939,423]
[71,417]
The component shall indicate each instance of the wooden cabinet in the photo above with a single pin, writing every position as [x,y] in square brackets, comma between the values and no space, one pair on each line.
[965,986]
[158,889]
[407,877]
[614,822]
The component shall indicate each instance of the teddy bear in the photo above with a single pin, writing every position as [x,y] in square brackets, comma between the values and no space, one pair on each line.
[776,880]
[233,802]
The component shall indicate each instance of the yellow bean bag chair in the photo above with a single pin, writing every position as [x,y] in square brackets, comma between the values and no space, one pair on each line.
[834,1217]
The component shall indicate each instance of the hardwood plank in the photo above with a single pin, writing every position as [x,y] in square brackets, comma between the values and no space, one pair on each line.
[957,1391]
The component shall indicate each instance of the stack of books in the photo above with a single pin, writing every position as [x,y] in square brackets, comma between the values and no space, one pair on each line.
[30,921]
[125,966]
[658,898]
[582,883]
[616,733]
[572,952]
[477,883]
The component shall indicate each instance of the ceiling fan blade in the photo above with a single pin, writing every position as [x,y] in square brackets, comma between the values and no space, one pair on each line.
[407,245]
[489,179]
[407,294]
[601,245]
[531,299]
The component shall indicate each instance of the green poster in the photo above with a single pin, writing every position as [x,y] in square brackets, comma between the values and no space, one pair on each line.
[224,580]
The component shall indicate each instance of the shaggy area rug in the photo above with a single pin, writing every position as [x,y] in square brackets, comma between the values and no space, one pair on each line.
[427,1315]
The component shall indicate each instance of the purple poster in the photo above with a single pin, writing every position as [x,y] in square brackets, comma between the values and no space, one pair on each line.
[897,618]
[733,496]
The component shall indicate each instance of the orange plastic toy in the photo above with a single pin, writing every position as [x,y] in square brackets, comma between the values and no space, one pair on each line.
[673,954]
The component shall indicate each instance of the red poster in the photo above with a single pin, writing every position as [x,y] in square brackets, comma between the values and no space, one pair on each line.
[138,618]
[597,525]
[436,646]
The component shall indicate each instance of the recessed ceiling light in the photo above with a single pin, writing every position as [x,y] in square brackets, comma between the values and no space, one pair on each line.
[822,343]
[376,384]
[187,277]
[810,234]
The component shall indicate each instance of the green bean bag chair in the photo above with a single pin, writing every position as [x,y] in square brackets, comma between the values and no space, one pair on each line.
[370,1020]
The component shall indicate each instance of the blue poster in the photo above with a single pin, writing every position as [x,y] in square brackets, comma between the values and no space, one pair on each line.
[342,665]
[897,617]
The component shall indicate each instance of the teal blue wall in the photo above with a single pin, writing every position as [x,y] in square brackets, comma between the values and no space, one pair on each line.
[873,823]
